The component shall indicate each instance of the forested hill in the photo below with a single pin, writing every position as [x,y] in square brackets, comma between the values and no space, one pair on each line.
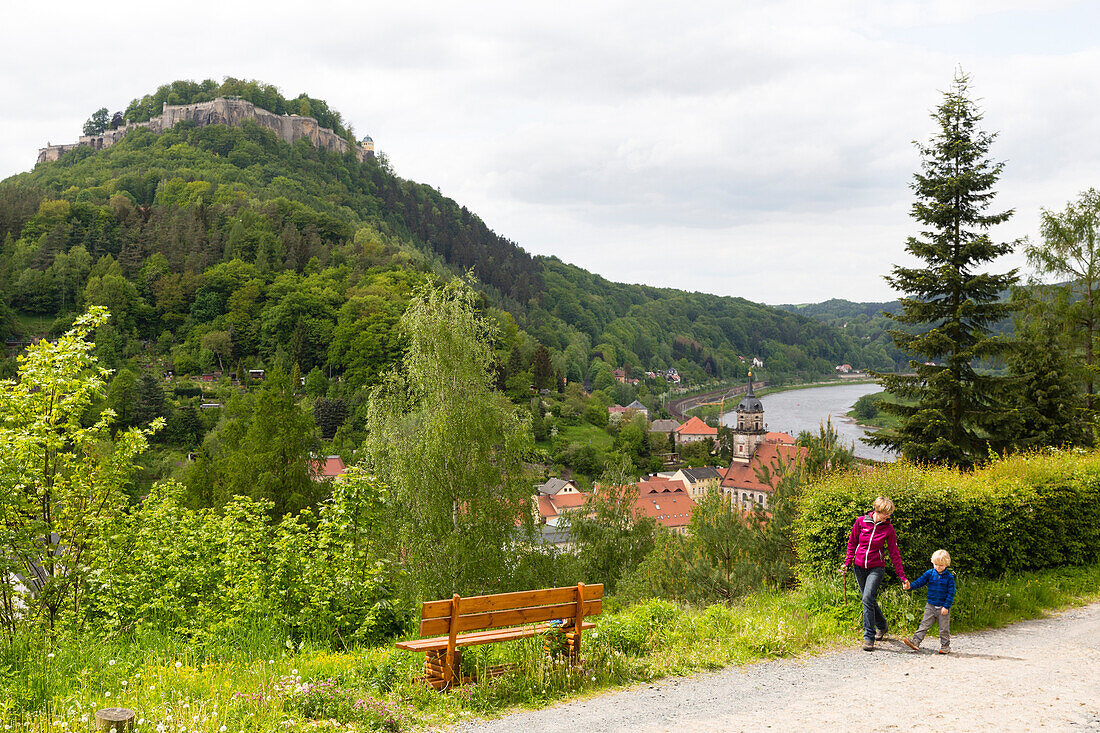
[222,246]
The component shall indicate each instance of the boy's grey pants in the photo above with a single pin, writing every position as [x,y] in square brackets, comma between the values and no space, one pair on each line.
[932,615]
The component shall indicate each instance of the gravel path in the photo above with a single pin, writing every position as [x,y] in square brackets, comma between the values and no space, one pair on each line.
[1034,675]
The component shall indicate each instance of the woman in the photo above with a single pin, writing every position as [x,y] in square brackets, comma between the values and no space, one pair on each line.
[870,533]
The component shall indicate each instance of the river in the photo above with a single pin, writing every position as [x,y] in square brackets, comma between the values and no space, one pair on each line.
[805,409]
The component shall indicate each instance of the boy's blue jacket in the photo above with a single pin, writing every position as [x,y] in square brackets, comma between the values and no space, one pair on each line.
[941,587]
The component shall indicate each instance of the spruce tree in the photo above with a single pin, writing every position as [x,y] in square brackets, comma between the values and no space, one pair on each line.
[951,300]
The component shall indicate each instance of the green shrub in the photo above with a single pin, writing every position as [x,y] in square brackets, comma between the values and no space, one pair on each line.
[1021,513]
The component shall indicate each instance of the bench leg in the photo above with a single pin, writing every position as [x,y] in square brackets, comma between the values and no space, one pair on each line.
[435,669]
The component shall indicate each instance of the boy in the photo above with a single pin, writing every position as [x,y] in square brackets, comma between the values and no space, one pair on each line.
[941,594]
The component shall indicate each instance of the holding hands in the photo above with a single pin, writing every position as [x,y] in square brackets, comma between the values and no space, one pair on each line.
[905,584]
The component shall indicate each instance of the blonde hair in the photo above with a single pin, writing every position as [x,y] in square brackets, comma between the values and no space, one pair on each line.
[941,556]
[883,505]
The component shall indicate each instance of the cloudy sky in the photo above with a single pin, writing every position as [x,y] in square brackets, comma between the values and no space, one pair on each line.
[758,149]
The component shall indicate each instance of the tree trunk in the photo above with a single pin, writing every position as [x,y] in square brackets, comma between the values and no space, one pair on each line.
[119,720]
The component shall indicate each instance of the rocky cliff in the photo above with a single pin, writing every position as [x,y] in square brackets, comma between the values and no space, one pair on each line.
[220,111]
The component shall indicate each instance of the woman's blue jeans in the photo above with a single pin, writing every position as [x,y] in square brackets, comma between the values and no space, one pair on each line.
[869,579]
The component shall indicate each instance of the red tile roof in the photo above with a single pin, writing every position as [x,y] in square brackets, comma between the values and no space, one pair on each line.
[673,510]
[741,475]
[695,426]
[327,467]
[657,485]
[552,506]
[782,438]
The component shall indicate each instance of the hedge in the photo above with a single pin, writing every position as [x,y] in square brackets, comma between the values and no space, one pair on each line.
[1022,513]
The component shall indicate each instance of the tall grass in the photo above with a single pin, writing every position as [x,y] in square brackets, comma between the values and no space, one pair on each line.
[254,681]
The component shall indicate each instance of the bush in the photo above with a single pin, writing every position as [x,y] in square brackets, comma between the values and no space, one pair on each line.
[1021,513]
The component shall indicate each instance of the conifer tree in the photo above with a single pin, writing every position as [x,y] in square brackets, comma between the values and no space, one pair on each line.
[951,300]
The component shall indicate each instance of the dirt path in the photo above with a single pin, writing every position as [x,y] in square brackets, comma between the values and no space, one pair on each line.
[1034,675]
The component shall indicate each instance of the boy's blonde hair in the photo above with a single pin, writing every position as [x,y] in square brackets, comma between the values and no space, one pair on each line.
[883,505]
[941,556]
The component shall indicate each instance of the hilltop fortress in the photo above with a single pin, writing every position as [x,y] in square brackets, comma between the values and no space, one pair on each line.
[222,111]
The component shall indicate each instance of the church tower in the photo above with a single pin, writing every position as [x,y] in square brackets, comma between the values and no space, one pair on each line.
[750,429]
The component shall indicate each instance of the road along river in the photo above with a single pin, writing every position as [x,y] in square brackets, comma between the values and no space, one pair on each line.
[805,409]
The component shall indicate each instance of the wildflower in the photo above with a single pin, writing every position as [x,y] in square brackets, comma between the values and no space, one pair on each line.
[110,662]
[108,694]
[48,656]
[221,730]
[124,683]
[179,664]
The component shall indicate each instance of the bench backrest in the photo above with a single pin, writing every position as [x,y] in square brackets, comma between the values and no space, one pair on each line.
[510,609]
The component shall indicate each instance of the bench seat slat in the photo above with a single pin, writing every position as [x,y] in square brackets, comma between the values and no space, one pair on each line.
[480,637]
[508,601]
[514,617]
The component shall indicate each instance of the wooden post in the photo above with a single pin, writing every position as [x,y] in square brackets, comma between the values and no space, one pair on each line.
[578,621]
[452,674]
[121,720]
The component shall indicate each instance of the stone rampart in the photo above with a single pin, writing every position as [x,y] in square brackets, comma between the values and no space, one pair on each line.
[220,111]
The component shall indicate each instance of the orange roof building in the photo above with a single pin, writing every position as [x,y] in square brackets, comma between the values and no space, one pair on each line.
[695,430]
[667,503]
[328,468]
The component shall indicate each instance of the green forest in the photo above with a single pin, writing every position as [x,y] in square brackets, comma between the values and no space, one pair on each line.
[222,250]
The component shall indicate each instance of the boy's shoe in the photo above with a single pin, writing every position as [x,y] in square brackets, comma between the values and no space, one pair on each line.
[944,650]
[868,646]
[880,634]
[909,643]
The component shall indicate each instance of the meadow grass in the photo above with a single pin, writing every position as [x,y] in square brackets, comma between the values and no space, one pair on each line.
[255,681]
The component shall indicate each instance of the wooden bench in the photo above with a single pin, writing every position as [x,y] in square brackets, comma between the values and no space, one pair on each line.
[460,622]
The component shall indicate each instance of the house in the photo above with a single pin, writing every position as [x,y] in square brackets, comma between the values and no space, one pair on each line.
[663,426]
[666,502]
[780,438]
[844,368]
[695,430]
[256,374]
[553,509]
[638,407]
[757,363]
[619,374]
[328,468]
[555,486]
[698,480]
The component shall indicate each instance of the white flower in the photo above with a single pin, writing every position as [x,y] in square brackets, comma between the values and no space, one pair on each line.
[179,664]
[294,672]
[108,694]
[124,683]
[221,730]
[152,687]
[48,656]
[110,662]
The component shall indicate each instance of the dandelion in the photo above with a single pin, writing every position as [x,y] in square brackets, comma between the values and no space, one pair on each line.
[179,664]
[110,662]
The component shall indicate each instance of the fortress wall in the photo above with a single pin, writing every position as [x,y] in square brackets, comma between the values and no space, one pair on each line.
[220,111]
